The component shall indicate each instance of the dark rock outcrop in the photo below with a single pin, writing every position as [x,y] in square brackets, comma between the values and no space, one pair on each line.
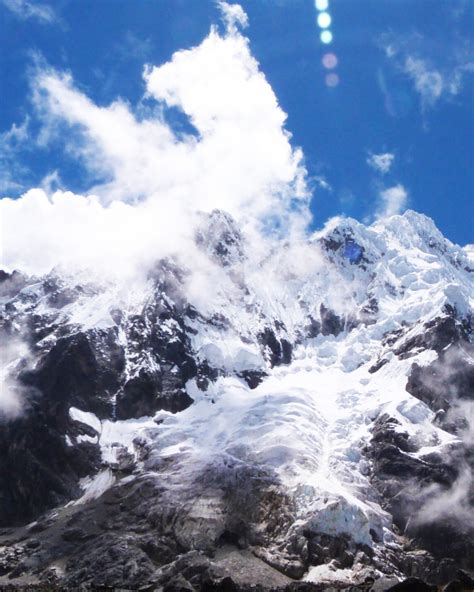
[39,470]
[278,351]
[331,324]
[148,392]
[447,381]
[83,370]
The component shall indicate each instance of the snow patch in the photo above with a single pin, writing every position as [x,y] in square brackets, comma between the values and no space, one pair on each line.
[94,487]
[86,418]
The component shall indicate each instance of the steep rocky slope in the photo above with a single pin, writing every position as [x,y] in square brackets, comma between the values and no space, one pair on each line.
[302,418]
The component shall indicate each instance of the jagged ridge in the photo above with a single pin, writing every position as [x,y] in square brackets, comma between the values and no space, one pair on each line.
[280,410]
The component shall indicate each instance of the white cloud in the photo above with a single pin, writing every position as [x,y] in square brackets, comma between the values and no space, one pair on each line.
[11,171]
[322,182]
[381,162]
[428,82]
[392,201]
[11,401]
[11,393]
[41,231]
[240,160]
[234,16]
[16,134]
[51,182]
[133,46]
[27,9]
[435,77]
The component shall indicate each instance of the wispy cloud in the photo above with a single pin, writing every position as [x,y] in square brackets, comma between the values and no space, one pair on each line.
[28,9]
[436,76]
[12,141]
[12,399]
[347,198]
[429,82]
[134,47]
[321,181]
[233,15]
[381,162]
[393,200]
[15,135]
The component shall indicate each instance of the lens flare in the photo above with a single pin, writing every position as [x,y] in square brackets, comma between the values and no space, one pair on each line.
[322,4]
[329,61]
[332,80]
[326,37]
[324,20]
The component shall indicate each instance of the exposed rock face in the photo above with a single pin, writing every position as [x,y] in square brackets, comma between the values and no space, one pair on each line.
[408,481]
[82,370]
[278,351]
[148,392]
[447,381]
[298,429]
[39,470]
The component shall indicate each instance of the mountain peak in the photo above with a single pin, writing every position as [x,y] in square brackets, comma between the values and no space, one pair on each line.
[219,235]
[308,410]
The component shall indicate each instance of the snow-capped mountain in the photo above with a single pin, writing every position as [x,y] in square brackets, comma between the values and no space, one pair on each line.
[301,416]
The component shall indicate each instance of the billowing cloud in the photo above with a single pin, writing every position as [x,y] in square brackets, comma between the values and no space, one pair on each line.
[392,201]
[150,180]
[28,9]
[40,231]
[381,162]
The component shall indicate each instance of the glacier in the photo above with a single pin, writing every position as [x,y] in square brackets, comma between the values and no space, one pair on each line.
[298,414]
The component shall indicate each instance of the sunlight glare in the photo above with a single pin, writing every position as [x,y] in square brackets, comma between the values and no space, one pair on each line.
[322,5]
[332,80]
[329,61]
[326,37]
[324,20]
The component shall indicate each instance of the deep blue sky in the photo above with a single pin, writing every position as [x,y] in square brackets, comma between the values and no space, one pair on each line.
[375,108]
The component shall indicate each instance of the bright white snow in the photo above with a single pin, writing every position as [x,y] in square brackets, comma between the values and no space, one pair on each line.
[307,422]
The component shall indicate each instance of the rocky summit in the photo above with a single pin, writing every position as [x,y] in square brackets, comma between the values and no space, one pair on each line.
[300,419]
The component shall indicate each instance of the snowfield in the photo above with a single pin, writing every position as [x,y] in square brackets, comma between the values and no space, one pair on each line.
[285,369]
